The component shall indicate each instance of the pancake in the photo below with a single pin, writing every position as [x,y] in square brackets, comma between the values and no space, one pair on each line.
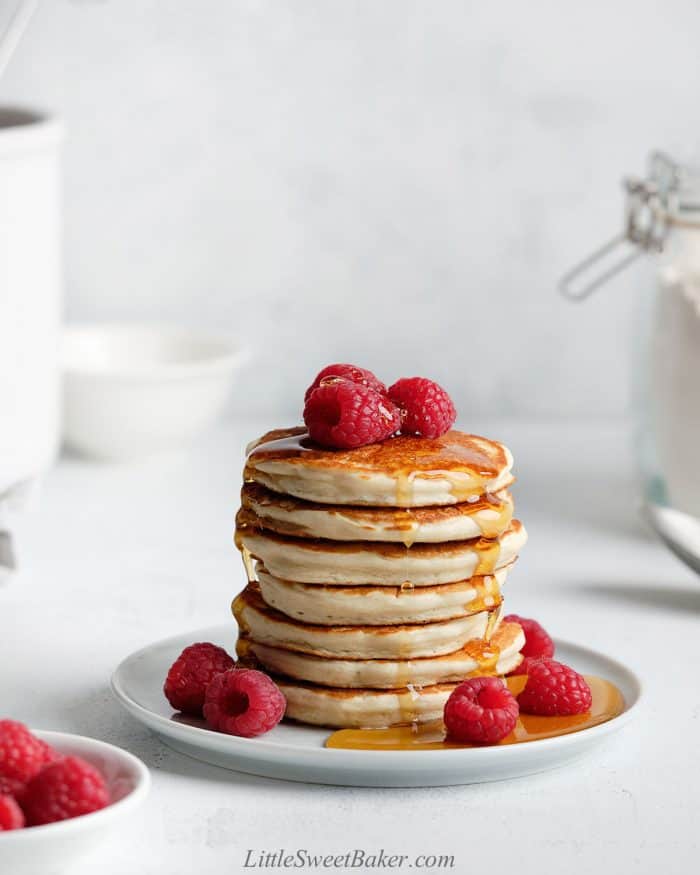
[403,471]
[488,516]
[357,562]
[263,624]
[380,605]
[498,657]
[362,708]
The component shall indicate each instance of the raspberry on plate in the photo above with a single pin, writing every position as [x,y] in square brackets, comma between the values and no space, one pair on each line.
[21,756]
[67,788]
[11,815]
[480,710]
[191,673]
[426,408]
[346,372]
[554,689]
[244,702]
[537,641]
[344,415]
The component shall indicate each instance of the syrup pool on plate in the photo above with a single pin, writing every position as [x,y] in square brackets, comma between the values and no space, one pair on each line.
[607,703]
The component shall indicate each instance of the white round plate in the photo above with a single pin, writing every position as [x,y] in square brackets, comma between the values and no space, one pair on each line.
[296,753]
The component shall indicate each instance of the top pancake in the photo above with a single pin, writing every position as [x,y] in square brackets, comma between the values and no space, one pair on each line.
[404,471]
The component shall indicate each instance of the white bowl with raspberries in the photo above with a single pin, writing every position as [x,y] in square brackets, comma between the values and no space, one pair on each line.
[117,783]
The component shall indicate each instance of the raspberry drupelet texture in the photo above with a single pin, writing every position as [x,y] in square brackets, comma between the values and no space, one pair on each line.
[344,415]
[11,815]
[190,674]
[244,702]
[21,756]
[554,689]
[353,373]
[67,788]
[480,710]
[426,408]
[537,641]
[50,755]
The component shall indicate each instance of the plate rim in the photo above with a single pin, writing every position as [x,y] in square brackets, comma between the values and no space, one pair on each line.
[248,746]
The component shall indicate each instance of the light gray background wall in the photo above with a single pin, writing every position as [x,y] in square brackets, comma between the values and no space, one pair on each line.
[396,183]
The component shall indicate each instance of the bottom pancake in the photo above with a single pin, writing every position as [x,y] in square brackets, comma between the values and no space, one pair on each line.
[499,656]
[362,708]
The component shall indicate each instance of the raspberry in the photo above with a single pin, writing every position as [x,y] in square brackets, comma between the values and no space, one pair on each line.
[537,641]
[244,702]
[67,788]
[554,689]
[49,755]
[345,415]
[480,710]
[346,372]
[426,409]
[190,674]
[11,816]
[21,756]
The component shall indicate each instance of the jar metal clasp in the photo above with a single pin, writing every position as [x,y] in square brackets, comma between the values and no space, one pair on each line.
[647,210]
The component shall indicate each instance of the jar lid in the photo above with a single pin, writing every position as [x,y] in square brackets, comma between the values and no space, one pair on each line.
[678,186]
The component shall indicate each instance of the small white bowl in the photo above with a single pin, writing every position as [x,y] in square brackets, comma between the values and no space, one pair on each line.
[57,846]
[133,390]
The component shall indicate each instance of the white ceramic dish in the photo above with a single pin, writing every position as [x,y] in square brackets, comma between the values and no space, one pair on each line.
[132,390]
[296,753]
[56,847]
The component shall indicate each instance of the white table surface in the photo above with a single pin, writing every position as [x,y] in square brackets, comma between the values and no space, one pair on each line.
[114,557]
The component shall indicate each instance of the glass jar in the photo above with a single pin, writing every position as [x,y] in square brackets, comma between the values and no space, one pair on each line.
[663,222]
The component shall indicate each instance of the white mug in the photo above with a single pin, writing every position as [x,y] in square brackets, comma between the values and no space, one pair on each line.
[30,295]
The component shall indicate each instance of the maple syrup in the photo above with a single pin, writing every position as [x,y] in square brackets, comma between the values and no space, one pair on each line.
[493,515]
[608,702]
[488,595]
[488,553]
[405,522]
[404,488]
[281,443]
[245,554]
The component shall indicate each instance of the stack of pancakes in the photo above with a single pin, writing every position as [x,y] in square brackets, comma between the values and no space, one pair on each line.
[375,574]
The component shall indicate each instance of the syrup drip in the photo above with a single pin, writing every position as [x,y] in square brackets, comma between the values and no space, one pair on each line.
[488,596]
[607,703]
[488,553]
[278,448]
[237,608]
[405,523]
[407,705]
[475,485]
[465,484]
[404,489]
[493,516]
[245,554]
[248,563]
[484,654]
[494,617]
